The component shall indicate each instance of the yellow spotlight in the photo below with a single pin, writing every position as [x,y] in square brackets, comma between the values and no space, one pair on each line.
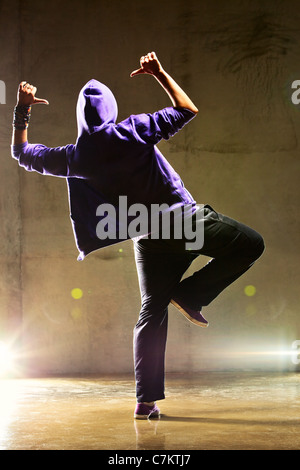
[250,291]
[76,293]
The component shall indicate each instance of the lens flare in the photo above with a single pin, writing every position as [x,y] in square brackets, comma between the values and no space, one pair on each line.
[76,293]
[250,291]
[76,313]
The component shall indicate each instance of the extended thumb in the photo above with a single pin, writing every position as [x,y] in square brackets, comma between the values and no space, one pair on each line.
[137,72]
[40,101]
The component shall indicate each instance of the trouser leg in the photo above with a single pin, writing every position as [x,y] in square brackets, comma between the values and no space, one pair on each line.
[233,247]
[161,264]
[158,274]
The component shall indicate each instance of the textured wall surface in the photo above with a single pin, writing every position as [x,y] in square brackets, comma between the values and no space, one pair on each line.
[237,60]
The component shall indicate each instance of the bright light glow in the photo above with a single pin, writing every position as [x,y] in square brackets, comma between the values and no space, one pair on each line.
[279,352]
[257,354]
[10,391]
[6,359]
[293,354]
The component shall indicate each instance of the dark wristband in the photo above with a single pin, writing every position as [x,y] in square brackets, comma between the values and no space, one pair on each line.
[21,117]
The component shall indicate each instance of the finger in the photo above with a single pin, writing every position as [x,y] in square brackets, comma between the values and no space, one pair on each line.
[21,86]
[40,101]
[137,72]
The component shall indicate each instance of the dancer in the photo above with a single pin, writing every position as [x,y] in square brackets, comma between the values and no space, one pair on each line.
[110,160]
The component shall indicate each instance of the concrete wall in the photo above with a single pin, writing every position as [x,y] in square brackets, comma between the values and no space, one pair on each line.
[237,60]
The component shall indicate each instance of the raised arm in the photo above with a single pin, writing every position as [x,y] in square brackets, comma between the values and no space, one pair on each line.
[150,65]
[25,99]
[36,157]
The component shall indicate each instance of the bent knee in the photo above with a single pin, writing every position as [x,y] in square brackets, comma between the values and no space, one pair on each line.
[257,247]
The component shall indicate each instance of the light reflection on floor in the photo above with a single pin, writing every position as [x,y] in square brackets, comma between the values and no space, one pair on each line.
[210,411]
[8,404]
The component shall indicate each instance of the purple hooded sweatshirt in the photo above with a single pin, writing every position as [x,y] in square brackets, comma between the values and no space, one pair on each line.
[110,160]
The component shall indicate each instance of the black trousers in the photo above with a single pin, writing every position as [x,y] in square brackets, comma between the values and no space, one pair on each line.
[233,248]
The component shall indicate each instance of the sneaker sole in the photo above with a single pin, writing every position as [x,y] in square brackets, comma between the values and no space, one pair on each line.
[151,415]
[191,319]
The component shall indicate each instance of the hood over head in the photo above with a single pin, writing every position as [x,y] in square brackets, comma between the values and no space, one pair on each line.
[96,107]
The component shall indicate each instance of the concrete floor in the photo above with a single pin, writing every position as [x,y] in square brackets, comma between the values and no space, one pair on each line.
[212,411]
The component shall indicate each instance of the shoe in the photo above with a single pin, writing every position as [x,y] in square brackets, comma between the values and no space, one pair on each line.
[194,316]
[143,411]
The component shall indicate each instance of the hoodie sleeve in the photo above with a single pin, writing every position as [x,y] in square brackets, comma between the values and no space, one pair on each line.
[163,124]
[42,159]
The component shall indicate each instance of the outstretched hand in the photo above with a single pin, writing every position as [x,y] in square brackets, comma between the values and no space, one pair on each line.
[26,95]
[149,64]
